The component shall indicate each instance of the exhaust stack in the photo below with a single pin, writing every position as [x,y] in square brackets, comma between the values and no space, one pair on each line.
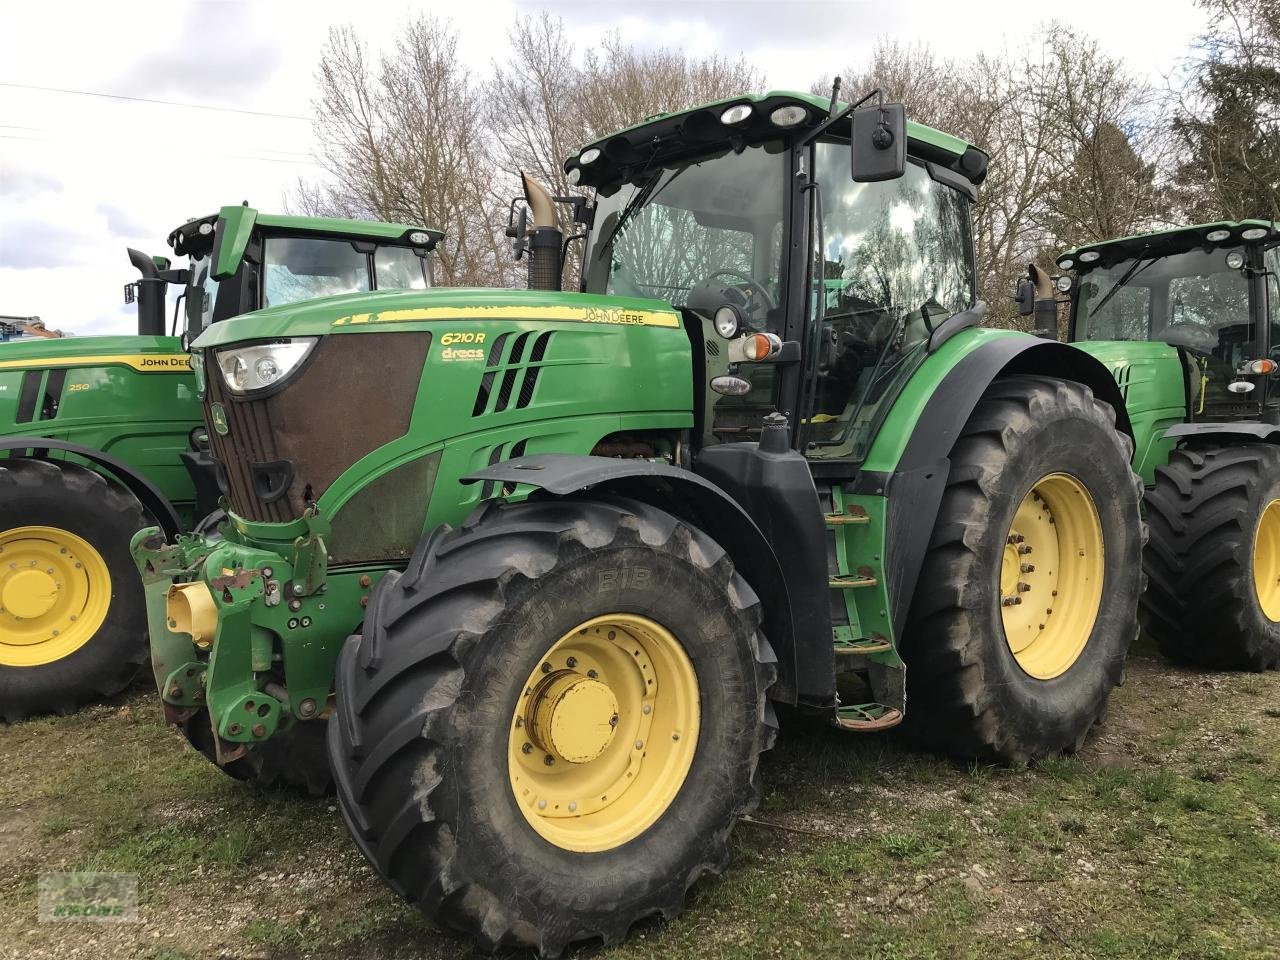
[152,288]
[1045,314]
[544,237]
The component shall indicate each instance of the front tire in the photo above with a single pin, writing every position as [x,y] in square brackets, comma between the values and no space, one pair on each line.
[73,624]
[1027,600]
[1214,558]
[448,744]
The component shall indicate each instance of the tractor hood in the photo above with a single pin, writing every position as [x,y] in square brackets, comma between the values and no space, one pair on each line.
[143,353]
[393,309]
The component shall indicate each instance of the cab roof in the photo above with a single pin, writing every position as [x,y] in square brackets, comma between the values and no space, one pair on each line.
[195,237]
[1224,233]
[670,135]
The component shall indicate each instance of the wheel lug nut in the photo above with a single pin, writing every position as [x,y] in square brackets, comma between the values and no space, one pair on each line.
[592,674]
[1023,586]
[1028,568]
[549,760]
[1010,601]
[527,748]
[571,662]
[1024,549]
[546,668]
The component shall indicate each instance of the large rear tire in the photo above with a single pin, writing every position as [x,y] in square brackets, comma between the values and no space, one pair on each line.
[545,657]
[73,624]
[1214,557]
[1027,600]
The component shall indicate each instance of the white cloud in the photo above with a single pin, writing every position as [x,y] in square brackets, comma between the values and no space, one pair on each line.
[81,177]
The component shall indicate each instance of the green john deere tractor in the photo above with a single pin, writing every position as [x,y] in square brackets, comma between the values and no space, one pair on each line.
[104,435]
[545,561]
[1188,321]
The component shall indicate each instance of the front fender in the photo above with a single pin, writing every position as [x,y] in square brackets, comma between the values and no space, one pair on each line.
[693,499]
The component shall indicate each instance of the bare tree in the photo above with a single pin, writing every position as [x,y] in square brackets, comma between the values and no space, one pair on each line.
[404,139]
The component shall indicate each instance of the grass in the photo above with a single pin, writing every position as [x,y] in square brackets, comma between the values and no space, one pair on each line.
[1161,838]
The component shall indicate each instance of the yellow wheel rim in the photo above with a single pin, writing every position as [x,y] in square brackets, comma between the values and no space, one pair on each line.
[1051,576]
[604,733]
[55,590]
[1266,561]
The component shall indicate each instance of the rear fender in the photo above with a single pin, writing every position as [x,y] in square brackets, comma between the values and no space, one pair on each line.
[914,488]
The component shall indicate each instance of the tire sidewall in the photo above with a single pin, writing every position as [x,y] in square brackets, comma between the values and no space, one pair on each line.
[1054,711]
[121,638]
[1260,494]
[496,841]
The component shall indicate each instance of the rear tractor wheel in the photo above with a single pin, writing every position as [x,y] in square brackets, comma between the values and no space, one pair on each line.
[1027,600]
[553,720]
[1214,557]
[72,621]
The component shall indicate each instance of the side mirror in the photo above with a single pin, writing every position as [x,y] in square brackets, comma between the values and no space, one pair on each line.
[1025,297]
[879,143]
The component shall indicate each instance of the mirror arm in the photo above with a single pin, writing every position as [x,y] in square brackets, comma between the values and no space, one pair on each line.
[835,118]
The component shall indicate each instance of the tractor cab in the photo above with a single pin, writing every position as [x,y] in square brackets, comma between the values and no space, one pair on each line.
[242,260]
[1210,291]
[706,210]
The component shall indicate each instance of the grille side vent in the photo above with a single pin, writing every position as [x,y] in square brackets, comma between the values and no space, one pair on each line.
[519,376]
[497,455]
[1123,375]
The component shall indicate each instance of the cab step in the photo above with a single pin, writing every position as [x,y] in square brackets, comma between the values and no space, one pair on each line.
[862,647]
[867,717]
[852,514]
[851,581]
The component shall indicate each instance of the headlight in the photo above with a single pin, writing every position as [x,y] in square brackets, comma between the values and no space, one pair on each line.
[589,156]
[1235,260]
[788,116]
[419,238]
[736,114]
[574,175]
[1089,256]
[1063,283]
[1217,236]
[197,368]
[257,366]
[728,321]
[1254,233]
[1066,263]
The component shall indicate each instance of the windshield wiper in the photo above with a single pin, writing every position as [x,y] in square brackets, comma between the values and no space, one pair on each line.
[641,197]
[1133,271]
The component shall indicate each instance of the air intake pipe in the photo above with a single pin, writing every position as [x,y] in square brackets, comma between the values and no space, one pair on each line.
[544,236]
[152,289]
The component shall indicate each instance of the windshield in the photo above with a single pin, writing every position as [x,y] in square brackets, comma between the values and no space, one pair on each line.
[898,261]
[1192,300]
[696,234]
[303,268]
[1150,298]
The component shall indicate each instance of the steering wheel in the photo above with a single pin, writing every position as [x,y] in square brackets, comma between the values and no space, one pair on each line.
[743,279]
[1190,336]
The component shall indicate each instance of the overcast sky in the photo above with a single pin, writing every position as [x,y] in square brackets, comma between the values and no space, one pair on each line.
[83,177]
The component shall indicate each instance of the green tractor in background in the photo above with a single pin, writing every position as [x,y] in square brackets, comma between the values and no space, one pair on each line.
[544,562]
[1188,321]
[104,435]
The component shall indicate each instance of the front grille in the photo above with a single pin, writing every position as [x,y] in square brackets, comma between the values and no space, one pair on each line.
[355,394]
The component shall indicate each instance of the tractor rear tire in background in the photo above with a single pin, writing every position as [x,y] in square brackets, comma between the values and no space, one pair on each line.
[1027,599]
[294,759]
[1214,558]
[73,624]
[553,720]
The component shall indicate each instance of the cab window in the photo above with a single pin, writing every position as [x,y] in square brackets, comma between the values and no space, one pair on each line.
[302,268]
[399,268]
